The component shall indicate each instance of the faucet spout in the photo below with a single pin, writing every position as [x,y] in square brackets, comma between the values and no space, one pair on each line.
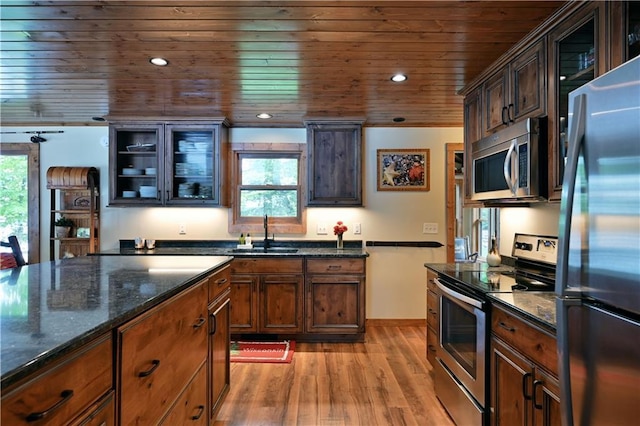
[266,232]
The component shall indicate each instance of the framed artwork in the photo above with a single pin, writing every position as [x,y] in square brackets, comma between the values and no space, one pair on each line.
[403,170]
[82,233]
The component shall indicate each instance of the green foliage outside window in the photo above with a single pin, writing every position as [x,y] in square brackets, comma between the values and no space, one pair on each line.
[269,186]
[13,197]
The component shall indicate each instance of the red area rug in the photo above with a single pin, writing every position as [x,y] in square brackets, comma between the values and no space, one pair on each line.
[278,352]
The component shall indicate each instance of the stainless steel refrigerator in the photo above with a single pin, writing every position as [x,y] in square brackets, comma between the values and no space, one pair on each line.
[598,267]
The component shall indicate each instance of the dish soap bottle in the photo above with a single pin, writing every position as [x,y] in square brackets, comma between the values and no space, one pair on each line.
[241,239]
[493,258]
[248,239]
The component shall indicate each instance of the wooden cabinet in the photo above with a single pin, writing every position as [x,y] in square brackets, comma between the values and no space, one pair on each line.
[168,163]
[102,413]
[335,296]
[75,195]
[334,154]
[433,317]
[66,390]
[575,55]
[524,369]
[219,341]
[516,91]
[266,296]
[159,353]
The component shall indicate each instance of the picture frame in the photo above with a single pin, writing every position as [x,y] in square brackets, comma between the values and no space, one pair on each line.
[403,169]
[83,233]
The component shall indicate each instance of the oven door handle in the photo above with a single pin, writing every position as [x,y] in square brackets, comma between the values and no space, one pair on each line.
[459,296]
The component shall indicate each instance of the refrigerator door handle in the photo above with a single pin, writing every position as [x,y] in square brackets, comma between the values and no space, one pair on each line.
[576,139]
[562,315]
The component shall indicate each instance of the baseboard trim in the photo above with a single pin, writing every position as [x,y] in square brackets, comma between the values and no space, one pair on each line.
[397,322]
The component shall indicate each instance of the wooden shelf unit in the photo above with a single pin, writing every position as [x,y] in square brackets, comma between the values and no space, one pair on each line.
[75,195]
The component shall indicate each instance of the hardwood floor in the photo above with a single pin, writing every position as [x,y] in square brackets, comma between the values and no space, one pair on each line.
[384,381]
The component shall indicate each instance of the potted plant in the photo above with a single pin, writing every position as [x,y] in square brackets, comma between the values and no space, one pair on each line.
[63,227]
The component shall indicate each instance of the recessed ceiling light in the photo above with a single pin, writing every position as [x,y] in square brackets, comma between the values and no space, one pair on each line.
[264,115]
[399,77]
[161,62]
[398,119]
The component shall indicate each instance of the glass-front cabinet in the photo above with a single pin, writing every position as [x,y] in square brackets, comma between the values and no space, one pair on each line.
[177,163]
[575,54]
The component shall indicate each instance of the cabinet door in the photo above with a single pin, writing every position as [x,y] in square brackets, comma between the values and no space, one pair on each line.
[528,83]
[334,164]
[244,303]
[219,354]
[511,386]
[573,61]
[546,400]
[135,163]
[335,304]
[194,164]
[281,303]
[473,116]
[495,101]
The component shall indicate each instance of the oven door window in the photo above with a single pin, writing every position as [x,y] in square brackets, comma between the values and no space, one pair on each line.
[459,335]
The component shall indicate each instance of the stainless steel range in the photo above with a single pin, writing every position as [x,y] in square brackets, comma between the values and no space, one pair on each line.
[461,371]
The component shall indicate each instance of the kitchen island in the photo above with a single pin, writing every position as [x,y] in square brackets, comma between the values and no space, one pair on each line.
[98,312]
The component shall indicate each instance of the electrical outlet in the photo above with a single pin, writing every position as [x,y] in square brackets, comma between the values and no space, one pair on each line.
[182,229]
[356,229]
[429,228]
[321,229]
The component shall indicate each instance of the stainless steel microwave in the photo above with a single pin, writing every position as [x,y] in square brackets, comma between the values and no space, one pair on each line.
[511,165]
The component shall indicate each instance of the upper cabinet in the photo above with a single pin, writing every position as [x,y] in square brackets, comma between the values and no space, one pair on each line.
[575,59]
[516,91]
[168,163]
[334,154]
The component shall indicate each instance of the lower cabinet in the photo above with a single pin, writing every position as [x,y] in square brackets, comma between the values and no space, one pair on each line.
[433,317]
[306,297]
[335,296]
[524,383]
[73,388]
[266,296]
[159,352]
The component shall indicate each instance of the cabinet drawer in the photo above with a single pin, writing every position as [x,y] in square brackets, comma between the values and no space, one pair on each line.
[159,354]
[280,266]
[432,345]
[433,308]
[191,408]
[103,413]
[526,338]
[72,385]
[335,266]
[219,282]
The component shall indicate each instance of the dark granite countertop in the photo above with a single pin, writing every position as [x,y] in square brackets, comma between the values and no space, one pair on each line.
[280,248]
[48,309]
[537,306]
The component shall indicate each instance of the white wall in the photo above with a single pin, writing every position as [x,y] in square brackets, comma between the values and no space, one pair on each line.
[395,276]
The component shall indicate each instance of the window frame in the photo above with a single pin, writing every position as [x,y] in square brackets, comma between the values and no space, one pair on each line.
[277,225]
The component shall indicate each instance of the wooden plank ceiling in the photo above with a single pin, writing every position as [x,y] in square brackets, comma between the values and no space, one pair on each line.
[64,62]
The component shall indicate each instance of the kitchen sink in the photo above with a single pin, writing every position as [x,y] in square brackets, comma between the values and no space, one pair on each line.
[269,250]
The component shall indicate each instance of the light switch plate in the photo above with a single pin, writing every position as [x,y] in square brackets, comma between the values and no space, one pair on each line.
[357,230]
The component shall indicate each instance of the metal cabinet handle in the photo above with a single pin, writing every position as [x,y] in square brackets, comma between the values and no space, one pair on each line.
[334,267]
[432,348]
[65,395]
[525,379]
[431,311]
[214,324]
[510,116]
[221,281]
[200,411]
[536,383]
[156,363]
[200,323]
[506,327]
[504,109]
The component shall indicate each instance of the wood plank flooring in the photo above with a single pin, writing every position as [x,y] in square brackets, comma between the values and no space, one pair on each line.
[384,381]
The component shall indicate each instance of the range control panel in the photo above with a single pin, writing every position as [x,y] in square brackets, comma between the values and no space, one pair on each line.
[536,248]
